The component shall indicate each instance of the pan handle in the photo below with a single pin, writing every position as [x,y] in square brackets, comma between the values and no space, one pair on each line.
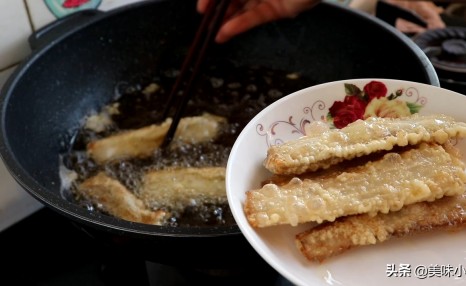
[60,27]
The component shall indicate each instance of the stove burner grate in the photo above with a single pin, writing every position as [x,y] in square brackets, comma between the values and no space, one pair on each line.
[446,48]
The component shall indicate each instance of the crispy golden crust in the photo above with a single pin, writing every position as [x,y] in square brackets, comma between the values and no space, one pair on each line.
[330,239]
[144,141]
[129,144]
[177,188]
[425,173]
[359,138]
[113,198]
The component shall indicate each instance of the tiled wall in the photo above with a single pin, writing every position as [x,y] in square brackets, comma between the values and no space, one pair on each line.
[19,18]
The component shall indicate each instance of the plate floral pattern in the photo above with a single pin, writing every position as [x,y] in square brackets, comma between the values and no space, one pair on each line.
[372,100]
[358,102]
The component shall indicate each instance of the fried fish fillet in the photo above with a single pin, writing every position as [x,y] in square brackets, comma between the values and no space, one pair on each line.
[113,198]
[181,187]
[425,173]
[144,141]
[362,137]
[329,239]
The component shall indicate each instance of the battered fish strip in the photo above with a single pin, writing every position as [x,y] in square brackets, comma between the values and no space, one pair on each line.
[330,239]
[178,188]
[419,174]
[113,198]
[310,153]
[144,141]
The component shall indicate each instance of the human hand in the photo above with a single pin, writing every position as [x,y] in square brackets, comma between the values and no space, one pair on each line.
[427,10]
[243,15]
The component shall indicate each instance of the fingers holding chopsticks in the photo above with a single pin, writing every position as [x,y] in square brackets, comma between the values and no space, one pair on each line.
[243,15]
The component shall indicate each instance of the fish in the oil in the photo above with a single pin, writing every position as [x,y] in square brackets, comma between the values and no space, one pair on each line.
[177,188]
[112,197]
[143,142]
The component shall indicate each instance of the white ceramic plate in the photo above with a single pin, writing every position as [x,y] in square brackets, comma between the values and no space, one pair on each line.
[439,256]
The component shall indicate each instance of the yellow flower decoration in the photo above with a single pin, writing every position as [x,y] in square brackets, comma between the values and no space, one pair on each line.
[383,107]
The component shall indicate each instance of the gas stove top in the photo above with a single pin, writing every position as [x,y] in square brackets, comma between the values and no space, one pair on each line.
[446,49]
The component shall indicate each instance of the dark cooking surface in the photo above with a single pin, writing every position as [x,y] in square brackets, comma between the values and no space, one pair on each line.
[47,249]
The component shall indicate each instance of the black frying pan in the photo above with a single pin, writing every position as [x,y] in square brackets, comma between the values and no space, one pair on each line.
[75,66]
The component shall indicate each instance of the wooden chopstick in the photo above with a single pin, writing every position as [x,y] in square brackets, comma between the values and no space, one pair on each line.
[207,30]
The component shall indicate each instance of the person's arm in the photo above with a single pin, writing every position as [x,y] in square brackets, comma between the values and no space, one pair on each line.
[243,15]
[427,10]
